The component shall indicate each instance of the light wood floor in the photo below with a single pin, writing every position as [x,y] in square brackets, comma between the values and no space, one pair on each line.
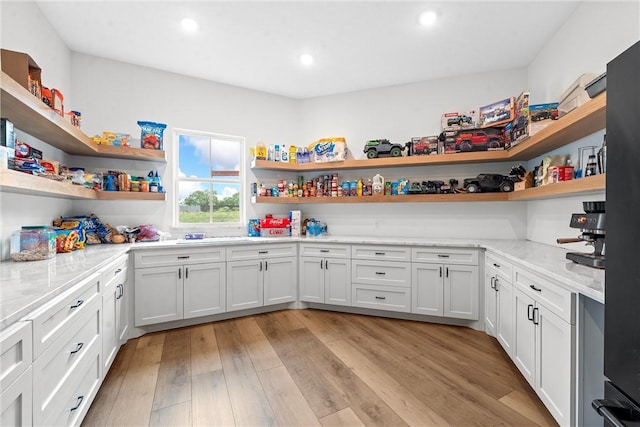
[312,367]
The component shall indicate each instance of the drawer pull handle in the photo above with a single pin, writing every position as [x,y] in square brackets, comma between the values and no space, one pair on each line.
[440,271]
[443,256]
[536,319]
[260,265]
[493,284]
[77,304]
[535,289]
[121,288]
[78,348]
[495,287]
[324,251]
[78,403]
[117,271]
[447,272]
[321,265]
[183,257]
[380,273]
[530,312]
[383,298]
[496,265]
[186,272]
[326,264]
[179,273]
[380,253]
[266,265]
[263,252]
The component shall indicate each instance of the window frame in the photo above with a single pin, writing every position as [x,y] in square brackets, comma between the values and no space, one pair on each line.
[242,179]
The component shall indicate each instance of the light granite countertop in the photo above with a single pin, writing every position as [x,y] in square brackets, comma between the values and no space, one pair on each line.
[26,285]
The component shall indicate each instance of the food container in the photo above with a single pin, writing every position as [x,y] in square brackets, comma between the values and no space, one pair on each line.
[33,243]
[151,136]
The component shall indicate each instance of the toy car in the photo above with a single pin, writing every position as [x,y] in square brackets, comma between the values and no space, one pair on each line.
[424,145]
[479,140]
[489,182]
[382,148]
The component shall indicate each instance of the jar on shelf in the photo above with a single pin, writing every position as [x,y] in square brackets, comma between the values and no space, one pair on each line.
[33,243]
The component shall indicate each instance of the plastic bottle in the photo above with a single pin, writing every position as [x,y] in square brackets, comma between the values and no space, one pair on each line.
[305,155]
[359,187]
[276,157]
[299,156]
[284,154]
[293,154]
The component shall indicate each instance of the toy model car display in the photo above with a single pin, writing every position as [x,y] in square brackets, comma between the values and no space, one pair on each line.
[424,145]
[489,182]
[459,120]
[479,140]
[382,148]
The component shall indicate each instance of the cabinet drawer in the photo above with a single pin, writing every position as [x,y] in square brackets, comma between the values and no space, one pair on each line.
[53,319]
[237,253]
[114,273]
[325,251]
[161,258]
[60,361]
[381,273]
[499,266]
[381,297]
[445,255]
[557,299]
[383,253]
[74,397]
[15,352]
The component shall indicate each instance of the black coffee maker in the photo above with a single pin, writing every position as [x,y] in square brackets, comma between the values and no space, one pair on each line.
[592,224]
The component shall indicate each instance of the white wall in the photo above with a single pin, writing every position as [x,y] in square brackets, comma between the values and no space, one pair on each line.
[25,29]
[595,34]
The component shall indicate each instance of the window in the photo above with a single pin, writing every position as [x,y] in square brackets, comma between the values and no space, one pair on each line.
[210,178]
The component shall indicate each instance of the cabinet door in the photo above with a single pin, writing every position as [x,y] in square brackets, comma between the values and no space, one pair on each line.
[158,295]
[524,350]
[461,291]
[504,325]
[204,289]
[427,289]
[16,401]
[280,280]
[110,338]
[123,299]
[554,355]
[490,304]
[312,279]
[244,284]
[337,281]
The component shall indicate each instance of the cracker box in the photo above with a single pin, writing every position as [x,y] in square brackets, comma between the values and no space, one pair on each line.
[496,114]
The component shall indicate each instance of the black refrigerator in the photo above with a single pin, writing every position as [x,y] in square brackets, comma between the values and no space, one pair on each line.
[621,403]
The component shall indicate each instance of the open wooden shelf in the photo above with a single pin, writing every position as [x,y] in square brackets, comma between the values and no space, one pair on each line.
[407,198]
[21,183]
[590,184]
[581,122]
[34,117]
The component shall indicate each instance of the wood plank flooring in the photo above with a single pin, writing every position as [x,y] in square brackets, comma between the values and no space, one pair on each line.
[313,367]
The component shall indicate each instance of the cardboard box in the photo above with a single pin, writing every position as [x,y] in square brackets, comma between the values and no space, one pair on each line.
[19,66]
[7,134]
[520,128]
[459,120]
[527,182]
[496,114]
[295,220]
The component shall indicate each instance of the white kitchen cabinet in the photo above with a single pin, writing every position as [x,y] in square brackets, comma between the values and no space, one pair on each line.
[499,301]
[446,289]
[114,312]
[325,274]
[259,275]
[16,401]
[544,344]
[16,395]
[179,284]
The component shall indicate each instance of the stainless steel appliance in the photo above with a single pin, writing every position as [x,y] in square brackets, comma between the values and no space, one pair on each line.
[592,224]
[620,405]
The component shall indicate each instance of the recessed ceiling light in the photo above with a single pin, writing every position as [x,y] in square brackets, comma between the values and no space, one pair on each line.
[189,25]
[306,59]
[428,18]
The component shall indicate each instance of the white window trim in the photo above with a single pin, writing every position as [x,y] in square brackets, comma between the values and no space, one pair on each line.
[230,228]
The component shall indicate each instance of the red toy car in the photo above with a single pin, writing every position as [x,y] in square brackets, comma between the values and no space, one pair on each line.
[480,140]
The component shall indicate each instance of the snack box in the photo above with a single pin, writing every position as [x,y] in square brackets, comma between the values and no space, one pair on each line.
[115,139]
[51,166]
[26,151]
[459,120]
[498,113]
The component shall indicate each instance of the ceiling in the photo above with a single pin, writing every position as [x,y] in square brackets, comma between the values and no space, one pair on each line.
[355,44]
